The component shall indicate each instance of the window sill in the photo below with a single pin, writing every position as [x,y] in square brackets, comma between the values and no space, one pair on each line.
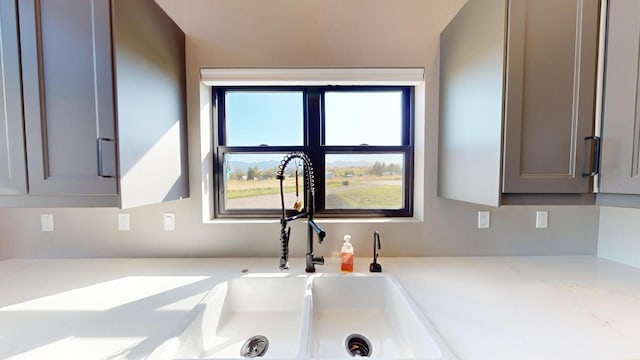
[320,221]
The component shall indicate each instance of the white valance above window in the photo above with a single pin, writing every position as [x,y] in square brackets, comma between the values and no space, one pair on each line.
[311,76]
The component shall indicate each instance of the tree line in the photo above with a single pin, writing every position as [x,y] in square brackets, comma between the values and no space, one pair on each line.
[378,169]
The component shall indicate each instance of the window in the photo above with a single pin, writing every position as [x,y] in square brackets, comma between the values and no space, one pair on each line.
[359,139]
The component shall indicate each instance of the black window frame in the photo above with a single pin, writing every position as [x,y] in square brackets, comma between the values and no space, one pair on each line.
[313,146]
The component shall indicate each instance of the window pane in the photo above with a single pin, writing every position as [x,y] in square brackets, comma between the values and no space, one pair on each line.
[363,117]
[255,118]
[371,181]
[250,181]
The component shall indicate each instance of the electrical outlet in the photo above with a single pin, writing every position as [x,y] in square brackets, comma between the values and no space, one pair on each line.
[484,219]
[169,221]
[46,222]
[123,222]
[542,219]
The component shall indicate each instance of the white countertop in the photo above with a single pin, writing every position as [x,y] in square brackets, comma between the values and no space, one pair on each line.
[484,308]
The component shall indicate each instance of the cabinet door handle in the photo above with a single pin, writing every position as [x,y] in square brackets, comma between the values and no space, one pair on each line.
[99,155]
[595,156]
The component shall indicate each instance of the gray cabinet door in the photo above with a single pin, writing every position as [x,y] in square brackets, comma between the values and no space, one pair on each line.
[149,56]
[620,172]
[550,95]
[68,95]
[471,93]
[13,176]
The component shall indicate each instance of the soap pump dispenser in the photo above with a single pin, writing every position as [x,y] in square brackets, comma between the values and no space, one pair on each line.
[346,255]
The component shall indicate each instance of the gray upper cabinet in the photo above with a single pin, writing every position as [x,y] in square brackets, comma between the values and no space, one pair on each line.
[68,95]
[550,95]
[517,95]
[13,175]
[104,103]
[620,173]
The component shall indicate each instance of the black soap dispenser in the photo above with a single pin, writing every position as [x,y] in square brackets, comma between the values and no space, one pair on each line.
[374,266]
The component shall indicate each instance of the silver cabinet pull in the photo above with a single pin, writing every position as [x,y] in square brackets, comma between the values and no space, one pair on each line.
[99,155]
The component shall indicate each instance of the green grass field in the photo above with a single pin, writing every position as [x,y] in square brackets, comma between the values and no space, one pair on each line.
[357,194]
[377,197]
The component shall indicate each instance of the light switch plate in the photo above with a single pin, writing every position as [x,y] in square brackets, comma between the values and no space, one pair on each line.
[46,222]
[542,219]
[484,219]
[123,222]
[169,221]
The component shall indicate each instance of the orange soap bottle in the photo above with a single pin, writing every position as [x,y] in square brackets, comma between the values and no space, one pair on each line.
[346,262]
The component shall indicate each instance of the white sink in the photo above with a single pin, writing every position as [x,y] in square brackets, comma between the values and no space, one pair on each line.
[307,317]
[369,307]
[270,306]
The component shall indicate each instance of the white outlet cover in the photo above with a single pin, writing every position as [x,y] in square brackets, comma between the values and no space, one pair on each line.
[484,219]
[169,221]
[46,222]
[123,222]
[542,219]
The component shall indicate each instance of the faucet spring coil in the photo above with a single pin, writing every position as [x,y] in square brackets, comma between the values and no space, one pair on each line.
[310,179]
[284,246]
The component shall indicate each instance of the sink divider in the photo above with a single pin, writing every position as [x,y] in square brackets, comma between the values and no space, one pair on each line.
[307,314]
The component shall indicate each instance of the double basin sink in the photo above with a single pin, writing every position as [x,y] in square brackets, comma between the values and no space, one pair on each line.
[317,316]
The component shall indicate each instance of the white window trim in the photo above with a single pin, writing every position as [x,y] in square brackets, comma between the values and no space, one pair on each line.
[212,77]
[311,76]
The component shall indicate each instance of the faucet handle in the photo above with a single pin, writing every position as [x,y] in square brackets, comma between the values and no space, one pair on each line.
[312,261]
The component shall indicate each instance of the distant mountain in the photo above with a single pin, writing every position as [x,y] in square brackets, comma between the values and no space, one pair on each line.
[262,165]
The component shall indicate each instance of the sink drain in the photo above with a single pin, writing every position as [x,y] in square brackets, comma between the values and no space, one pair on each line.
[358,345]
[255,346]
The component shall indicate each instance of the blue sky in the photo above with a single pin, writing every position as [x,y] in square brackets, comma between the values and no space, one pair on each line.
[352,118]
[255,118]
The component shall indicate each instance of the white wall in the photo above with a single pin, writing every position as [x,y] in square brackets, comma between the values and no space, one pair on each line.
[619,235]
[342,33]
